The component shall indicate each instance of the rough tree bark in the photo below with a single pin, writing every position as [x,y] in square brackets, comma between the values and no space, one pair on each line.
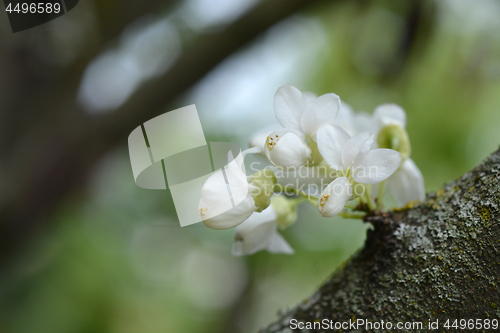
[438,259]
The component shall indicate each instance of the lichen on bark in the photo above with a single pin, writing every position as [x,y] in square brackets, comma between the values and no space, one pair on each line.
[435,260]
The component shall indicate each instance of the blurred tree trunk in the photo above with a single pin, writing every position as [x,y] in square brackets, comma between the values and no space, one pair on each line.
[48,143]
[437,260]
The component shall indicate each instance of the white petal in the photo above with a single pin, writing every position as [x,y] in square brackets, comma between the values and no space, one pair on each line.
[322,110]
[267,215]
[214,190]
[377,166]
[356,146]
[277,244]
[259,139]
[224,215]
[273,138]
[225,198]
[334,197]
[346,112]
[255,233]
[363,122]
[345,118]
[331,139]
[236,180]
[226,184]
[289,104]
[309,95]
[288,150]
[407,183]
[388,114]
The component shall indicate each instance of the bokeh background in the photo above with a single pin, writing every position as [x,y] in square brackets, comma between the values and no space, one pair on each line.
[83,249]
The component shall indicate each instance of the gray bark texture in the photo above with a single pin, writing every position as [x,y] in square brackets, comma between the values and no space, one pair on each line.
[439,259]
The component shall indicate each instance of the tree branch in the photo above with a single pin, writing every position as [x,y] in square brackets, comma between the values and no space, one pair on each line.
[436,260]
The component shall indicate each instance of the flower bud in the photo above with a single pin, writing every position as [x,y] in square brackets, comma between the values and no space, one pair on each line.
[287,149]
[285,210]
[396,138]
[262,183]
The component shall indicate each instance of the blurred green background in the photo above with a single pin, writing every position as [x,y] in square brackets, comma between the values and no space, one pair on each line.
[86,250]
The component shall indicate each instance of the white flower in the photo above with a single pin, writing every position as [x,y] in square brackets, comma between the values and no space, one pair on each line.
[301,115]
[356,163]
[389,114]
[354,122]
[226,205]
[260,232]
[259,140]
[335,196]
[407,183]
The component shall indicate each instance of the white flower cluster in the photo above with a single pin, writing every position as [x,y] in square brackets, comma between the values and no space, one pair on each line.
[359,154]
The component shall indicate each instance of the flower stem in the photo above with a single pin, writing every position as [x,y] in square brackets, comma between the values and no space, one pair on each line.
[380,195]
[297,201]
[362,200]
[369,200]
[352,215]
[351,206]
[287,189]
